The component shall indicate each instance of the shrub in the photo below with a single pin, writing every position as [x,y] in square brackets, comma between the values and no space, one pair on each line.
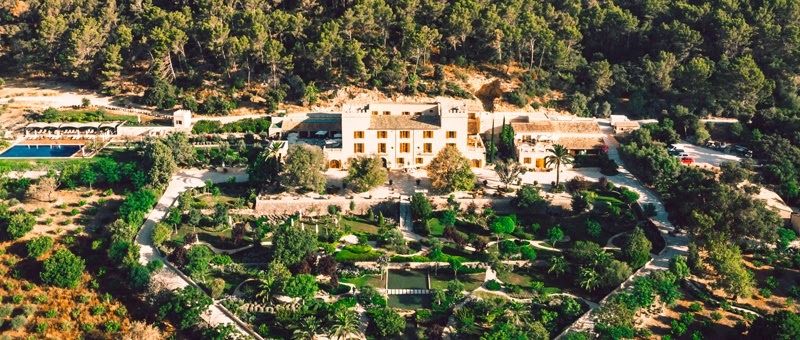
[18,322]
[508,248]
[493,285]
[19,224]
[38,246]
[357,252]
[216,287]
[716,316]
[51,313]
[29,310]
[138,277]
[111,326]
[161,233]
[40,299]
[206,126]
[695,307]
[678,328]
[333,209]
[5,311]
[765,292]
[302,286]
[97,310]
[41,327]
[121,311]
[369,297]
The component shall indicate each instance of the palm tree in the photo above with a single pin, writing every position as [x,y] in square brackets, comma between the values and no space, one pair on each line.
[514,313]
[588,279]
[345,325]
[558,155]
[383,263]
[558,265]
[306,329]
[266,284]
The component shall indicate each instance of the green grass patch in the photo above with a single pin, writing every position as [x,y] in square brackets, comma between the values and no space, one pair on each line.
[453,250]
[359,225]
[436,227]
[414,258]
[39,164]
[440,278]
[609,199]
[510,277]
[357,253]
[373,280]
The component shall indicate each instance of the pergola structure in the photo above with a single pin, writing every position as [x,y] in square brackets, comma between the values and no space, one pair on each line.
[72,129]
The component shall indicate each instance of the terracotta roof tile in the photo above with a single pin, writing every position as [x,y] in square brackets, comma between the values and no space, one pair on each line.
[394,122]
[563,126]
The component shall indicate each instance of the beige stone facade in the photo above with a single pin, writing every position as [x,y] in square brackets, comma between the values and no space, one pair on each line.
[534,137]
[403,136]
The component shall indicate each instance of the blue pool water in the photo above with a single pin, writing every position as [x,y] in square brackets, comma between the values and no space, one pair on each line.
[35,151]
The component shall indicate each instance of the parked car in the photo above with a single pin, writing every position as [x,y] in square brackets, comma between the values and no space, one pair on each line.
[687,160]
[676,152]
[742,151]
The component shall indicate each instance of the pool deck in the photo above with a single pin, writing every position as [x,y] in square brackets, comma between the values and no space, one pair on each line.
[54,142]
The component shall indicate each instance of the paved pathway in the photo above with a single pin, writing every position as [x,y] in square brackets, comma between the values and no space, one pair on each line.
[170,277]
[406,222]
[610,243]
[535,243]
[675,245]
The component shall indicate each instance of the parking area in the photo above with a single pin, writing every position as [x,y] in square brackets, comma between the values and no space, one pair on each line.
[707,156]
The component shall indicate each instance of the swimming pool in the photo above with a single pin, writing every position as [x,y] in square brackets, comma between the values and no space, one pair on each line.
[40,151]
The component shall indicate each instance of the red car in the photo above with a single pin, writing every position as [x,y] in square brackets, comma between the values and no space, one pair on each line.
[687,160]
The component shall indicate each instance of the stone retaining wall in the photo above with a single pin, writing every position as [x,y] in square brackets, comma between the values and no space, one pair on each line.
[282,205]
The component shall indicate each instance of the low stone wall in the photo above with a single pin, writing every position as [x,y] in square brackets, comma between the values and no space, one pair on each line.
[502,205]
[148,130]
[282,205]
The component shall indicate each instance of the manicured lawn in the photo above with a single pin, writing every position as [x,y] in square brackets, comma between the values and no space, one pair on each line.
[356,253]
[207,201]
[521,278]
[226,193]
[359,226]
[373,280]
[471,281]
[465,256]
[609,199]
[220,239]
[513,278]
[437,229]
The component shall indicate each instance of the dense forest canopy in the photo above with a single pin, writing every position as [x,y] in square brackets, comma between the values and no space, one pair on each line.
[725,57]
